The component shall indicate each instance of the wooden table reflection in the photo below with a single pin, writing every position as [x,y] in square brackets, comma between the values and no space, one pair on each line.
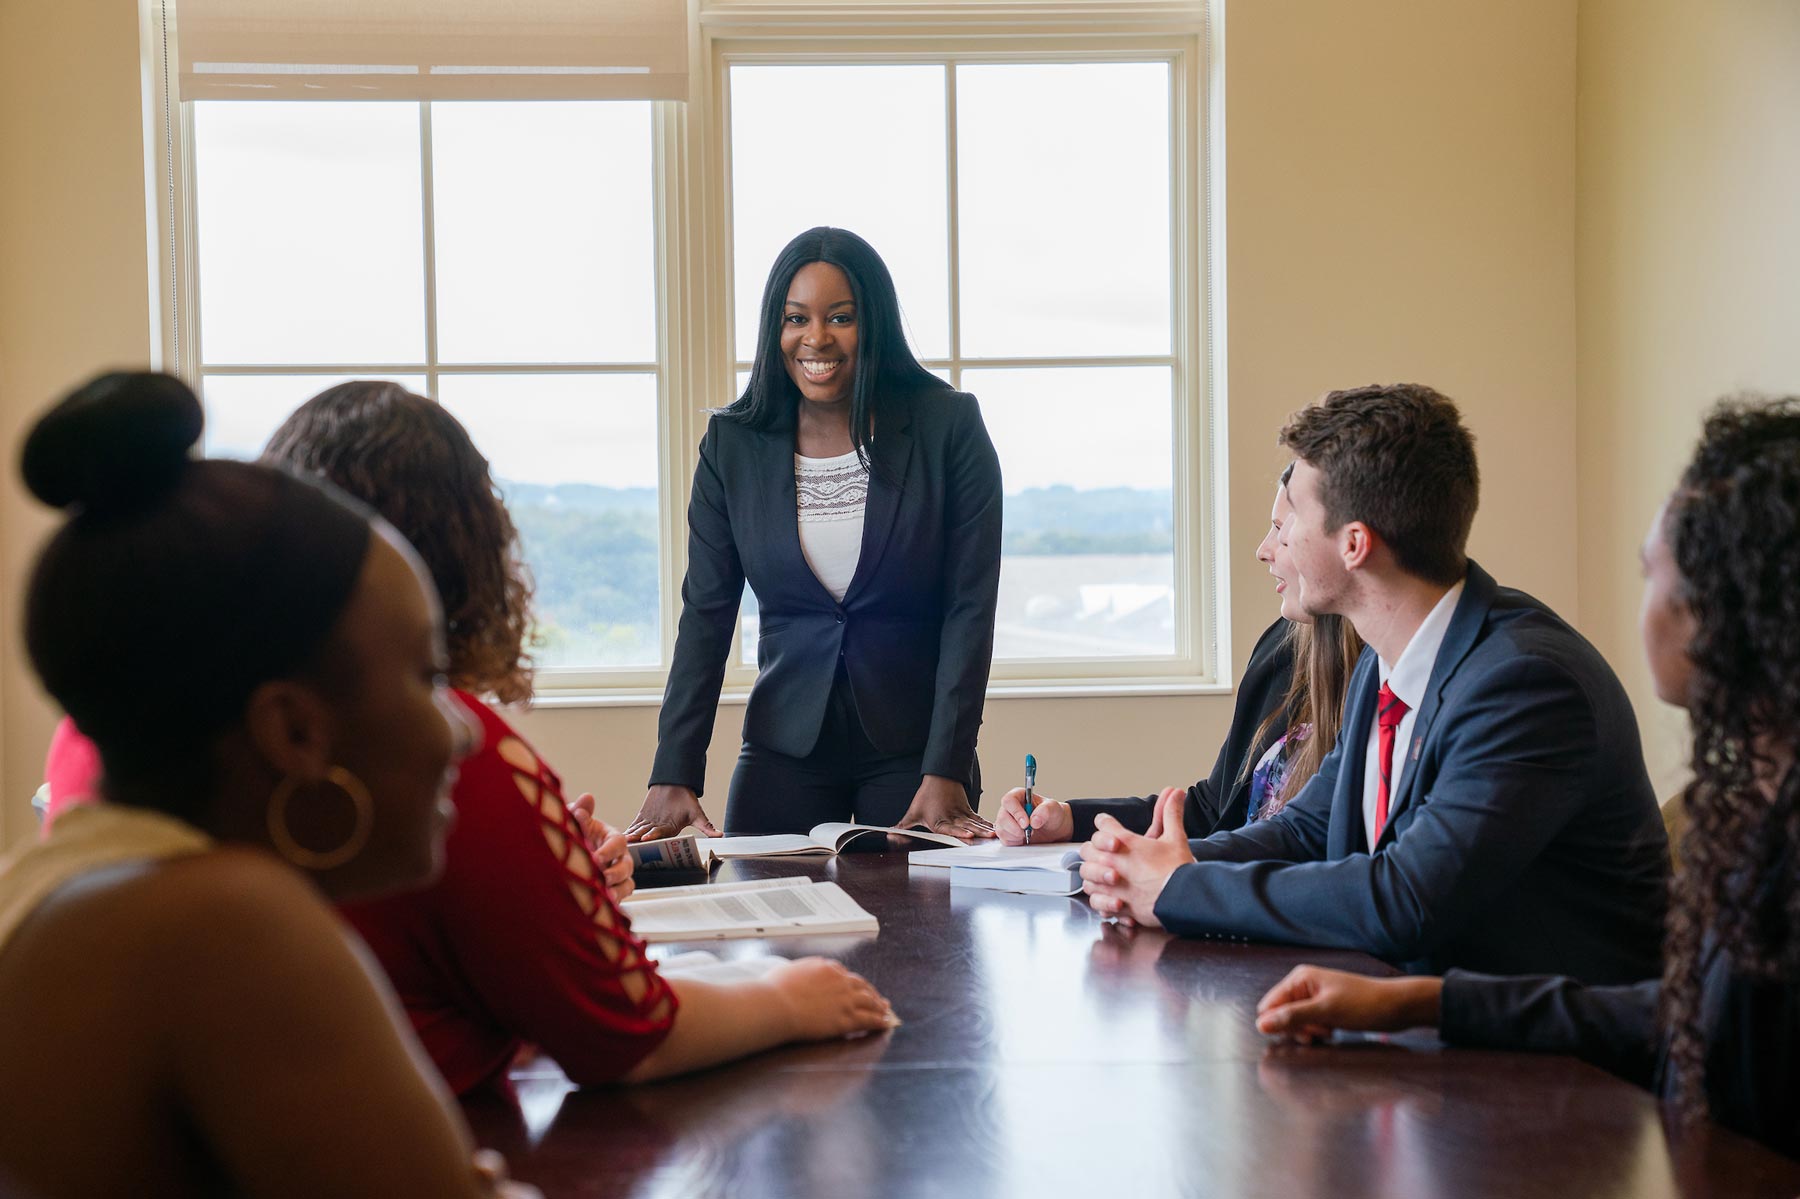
[1046,1052]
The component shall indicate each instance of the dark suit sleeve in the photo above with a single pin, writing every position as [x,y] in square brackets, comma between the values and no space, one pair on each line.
[1612,1027]
[1216,801]
[972,504]
[1515,770]
[710,594]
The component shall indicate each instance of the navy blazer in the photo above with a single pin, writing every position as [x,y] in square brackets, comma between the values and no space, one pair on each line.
[915,629]
[1749,1028]
[1525,838]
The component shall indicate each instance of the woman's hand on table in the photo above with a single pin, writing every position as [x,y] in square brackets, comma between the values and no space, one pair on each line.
[667,809]
[825,1000]
[1051,819]
[942,806]
[607,844]
[1312,1001]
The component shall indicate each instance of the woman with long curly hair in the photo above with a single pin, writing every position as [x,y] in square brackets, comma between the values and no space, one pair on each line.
[1719,1033]
[521,942]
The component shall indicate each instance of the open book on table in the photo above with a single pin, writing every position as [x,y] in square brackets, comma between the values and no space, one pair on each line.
[691,852]
[1030,869]
[766,907]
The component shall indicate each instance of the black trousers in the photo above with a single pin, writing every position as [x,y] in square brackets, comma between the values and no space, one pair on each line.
[845,778]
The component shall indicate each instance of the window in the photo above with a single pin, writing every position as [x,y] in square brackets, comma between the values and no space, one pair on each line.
[1027,211]
[578,279]
[495,256]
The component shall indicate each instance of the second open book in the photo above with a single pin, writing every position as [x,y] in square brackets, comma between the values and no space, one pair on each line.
[689,851]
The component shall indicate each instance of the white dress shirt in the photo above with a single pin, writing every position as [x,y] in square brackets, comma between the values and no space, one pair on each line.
[1407,679]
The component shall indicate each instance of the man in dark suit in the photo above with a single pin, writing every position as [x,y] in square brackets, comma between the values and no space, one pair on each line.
[1486,806]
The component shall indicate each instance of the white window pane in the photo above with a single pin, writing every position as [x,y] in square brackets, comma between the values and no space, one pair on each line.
[749,626]
[576,456]
[242,411]
[1088,567]
[1063,174]
[546,236]
[857,147]
[310,232]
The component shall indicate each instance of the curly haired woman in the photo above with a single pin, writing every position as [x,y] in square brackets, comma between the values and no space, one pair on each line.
[1719,1034]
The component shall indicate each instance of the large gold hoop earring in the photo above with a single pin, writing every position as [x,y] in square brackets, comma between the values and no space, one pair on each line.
[312,859]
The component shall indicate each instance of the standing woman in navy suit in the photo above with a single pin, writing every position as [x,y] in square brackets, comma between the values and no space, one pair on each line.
[859,495]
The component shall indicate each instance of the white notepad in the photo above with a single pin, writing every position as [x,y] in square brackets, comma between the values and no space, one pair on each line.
[1028,869]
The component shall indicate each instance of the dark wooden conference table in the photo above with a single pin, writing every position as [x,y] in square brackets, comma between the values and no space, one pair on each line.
[1046,1053]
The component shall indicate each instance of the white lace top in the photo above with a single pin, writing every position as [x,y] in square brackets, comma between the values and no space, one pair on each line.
[831,493]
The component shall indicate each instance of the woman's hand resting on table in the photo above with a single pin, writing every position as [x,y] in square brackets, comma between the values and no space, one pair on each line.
[667,809]
[942,806]
[825,1001]
[1312,1001]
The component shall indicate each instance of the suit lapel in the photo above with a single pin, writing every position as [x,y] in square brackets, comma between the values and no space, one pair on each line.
[889,456]
[1465,629]
[1353,741]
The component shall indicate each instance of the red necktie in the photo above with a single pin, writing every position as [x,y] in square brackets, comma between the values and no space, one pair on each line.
[1389,711]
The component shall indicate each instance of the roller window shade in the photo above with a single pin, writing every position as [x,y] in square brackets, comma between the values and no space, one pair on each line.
[431,49]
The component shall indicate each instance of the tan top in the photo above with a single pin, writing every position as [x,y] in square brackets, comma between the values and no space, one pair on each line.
[86,838]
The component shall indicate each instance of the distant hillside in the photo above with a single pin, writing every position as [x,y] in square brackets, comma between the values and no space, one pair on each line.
[1107,520]
[594,553]
[580,497]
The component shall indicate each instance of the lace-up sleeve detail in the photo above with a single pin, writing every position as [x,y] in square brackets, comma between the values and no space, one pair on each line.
[522,940]
[645,988]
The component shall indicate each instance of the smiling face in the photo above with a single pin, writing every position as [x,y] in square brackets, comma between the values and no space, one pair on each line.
[818,334]
[400,730]
[1665,622]
[1274,554]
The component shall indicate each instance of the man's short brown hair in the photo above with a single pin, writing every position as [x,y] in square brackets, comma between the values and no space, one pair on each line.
[1397,458]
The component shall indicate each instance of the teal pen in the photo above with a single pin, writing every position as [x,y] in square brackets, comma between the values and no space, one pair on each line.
[1030,782]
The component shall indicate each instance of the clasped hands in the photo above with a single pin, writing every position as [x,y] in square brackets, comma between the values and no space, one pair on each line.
[1122,872]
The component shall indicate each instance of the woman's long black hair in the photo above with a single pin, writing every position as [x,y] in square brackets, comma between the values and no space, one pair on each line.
[885,366]
[1732,527]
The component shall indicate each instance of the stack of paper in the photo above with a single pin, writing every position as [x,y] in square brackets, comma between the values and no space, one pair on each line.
[1031,869]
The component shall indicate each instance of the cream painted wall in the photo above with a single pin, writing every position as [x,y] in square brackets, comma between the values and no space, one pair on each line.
[1400,204]
[1689,273]
[74,285]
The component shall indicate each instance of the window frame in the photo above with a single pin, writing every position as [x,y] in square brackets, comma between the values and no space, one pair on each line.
[691,172]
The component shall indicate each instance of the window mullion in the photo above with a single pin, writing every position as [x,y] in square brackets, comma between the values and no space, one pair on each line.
[428,205]
[952,231]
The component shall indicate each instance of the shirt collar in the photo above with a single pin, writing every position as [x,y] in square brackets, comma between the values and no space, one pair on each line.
[1409,677]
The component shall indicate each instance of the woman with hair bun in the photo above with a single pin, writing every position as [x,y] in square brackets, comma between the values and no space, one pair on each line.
[859,497]
[1719,1033]
[258,663]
